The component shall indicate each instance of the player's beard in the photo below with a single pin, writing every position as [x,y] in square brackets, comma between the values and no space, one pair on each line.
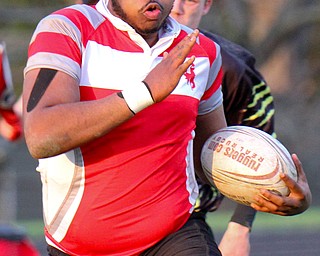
[122,15]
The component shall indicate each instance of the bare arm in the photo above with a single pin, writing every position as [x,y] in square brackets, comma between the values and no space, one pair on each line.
[235,240]
[236,236]
[59,121]
[52,107]
[206,126]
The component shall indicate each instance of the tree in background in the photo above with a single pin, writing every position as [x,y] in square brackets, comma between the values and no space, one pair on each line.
[284,37]
[282,34]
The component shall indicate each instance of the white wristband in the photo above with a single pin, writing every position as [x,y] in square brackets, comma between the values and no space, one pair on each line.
[137,97]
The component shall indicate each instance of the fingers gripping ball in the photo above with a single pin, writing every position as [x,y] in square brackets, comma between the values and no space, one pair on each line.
[241,160]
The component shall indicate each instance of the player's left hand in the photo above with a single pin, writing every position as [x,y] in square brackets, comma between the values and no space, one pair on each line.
[235,240]
[296,202]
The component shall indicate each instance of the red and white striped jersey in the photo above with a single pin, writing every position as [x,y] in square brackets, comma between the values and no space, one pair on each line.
[125,191]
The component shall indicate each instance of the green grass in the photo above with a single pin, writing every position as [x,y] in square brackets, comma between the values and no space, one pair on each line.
[34,228]
[308,220]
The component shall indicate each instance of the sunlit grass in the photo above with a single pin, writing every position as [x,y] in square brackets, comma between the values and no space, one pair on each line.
[309,221]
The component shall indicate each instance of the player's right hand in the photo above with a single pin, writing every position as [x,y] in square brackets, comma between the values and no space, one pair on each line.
[164,78]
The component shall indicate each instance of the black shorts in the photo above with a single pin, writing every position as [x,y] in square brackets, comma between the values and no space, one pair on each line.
[195,238]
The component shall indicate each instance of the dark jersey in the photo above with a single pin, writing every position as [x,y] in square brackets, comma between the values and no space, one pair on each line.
[246,95]
[247,101]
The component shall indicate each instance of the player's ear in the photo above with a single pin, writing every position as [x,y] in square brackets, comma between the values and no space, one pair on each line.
[207,6]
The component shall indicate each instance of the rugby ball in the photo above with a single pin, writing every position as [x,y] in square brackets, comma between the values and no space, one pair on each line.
[241,160]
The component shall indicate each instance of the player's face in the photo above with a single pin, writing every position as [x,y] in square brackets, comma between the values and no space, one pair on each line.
[145,16]
[190,12]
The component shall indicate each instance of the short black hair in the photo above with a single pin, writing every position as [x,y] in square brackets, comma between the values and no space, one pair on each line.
[90,1]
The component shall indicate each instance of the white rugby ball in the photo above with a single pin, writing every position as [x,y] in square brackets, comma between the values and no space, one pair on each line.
[241,160]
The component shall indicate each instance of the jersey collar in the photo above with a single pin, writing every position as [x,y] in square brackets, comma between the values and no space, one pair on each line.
[170,29]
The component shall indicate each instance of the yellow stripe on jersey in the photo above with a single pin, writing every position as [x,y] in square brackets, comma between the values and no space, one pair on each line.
[260,95]
[263,98]
[269,115]
[262,110]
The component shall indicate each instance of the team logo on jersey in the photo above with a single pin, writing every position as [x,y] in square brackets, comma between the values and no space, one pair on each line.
[190,76]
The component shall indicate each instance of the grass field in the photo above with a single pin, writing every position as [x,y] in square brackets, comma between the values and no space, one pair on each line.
[309,220]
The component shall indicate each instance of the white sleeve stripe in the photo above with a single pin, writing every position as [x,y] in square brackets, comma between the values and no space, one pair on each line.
[58,23]
[215,68]
[62,63]
[94,17]
[206,106]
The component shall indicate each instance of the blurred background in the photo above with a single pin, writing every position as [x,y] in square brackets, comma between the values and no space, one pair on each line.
[284,35]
